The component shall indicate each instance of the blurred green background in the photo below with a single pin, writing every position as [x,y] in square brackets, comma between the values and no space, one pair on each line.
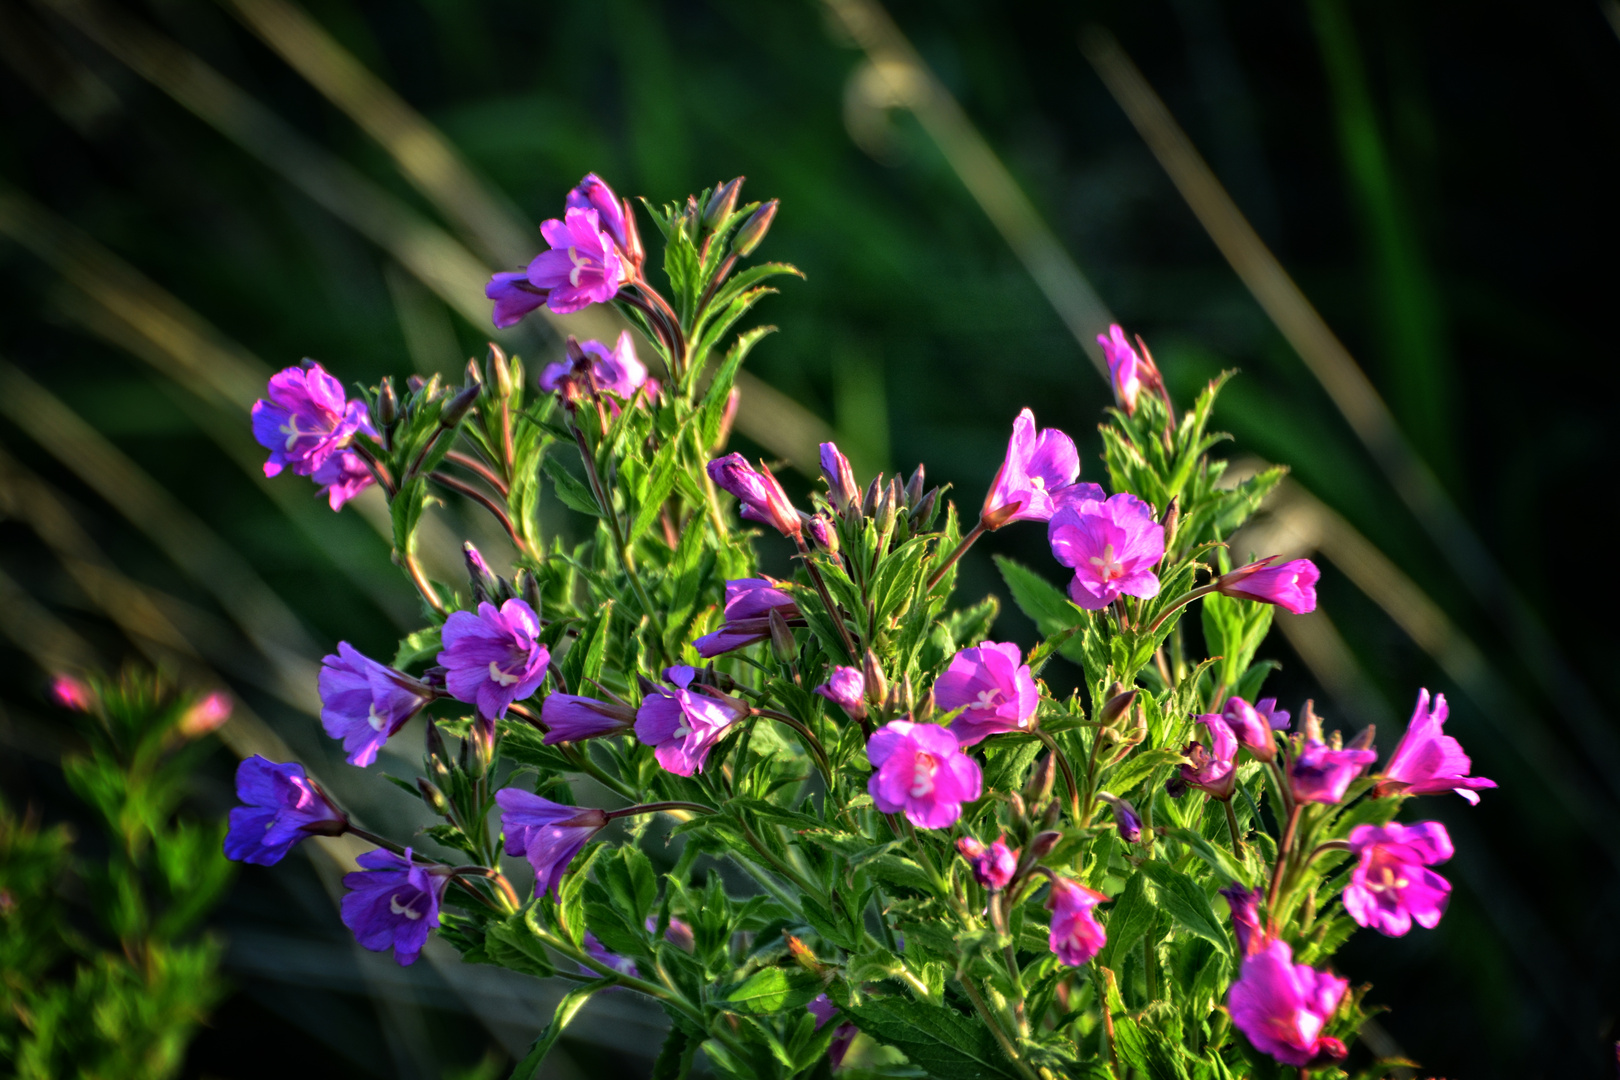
[194,194]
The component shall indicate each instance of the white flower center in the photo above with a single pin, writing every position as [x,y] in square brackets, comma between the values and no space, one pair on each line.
[1038,483]
[579,264]
[499,677]
[377,722]
[293,433]
[1108,567]
[988,699]
[922,775]
[402,909]
[1387,879]
[681,732]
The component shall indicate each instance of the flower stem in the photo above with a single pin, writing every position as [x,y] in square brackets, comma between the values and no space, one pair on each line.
[1231,823]
[1283,850]
[967,541]
[419,578]
[473,465]
[617,529]
[659,807]
[461,487]
[812,743]
[1180,603]
[827,602]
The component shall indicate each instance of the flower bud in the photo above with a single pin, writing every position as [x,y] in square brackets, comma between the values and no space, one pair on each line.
[528,586]
[869,503]
[754,229]
[633,248]
[497,373]
[888,505]
[1117,705]
[1019,810]
[431,795]
[922,516]
[1126,819]
[836,470]
[414,383]
[475,373]
[822,532]
[206,716]
[387,414]
[71,693]
[1311,724]
[486,587]
[908,697]
[1038,788]
[877,687]
[1042,845]
[914,488]
[924,711]
[456,409]
[722,204]
[782,643]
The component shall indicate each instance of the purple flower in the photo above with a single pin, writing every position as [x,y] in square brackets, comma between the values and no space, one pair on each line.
[571,718]
[514,297]
[307,419]
[846,688]
[993,864]
[822,533]
[678,933]
[1035,470]
[584,265]
[1210,770]
[1126,819]
[1112,545]
[762,498]
[1275,717]
[592,193]
[992,685]
[364,702]
[683,725]
[1245,906]
[920,769]
[1321,774]
[1076,935]
[1283,1006]
[548,834]
[493,658]
[749,603]
[842,490]
[283,806]
[599,952]
[1428,761]
[393,902]
[1291,585]
[824,1010]
[1392,885]
[1124,367]
[1252,728]
[342,476]
[615,371]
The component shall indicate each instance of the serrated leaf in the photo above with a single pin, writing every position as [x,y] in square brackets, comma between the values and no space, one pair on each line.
[1218,860]
[511,944]
[417,647]
[769,990]
[938,1039]
[1138,767]
[567,1009]
[899,870]
[1187,904]
[660,482]
[1038,598]
[574,493]
[1131,917]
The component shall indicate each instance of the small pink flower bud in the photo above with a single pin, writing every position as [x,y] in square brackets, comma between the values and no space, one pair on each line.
[71,693]
[206,716]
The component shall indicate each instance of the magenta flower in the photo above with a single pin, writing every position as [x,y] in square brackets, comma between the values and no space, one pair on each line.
[206,716]
[749,603]
[993,686]
[1076,935]
[363,702]
[1321,774]
[71,693]
[1126,819]
[1283,1006]
[341,477]
[1276,718]
[1036,469]
[846,688]
[1245,905]
[584,265]
[1427,761]
[493,658]
[307,419]
[1124,367]
[1291,585]
[1112,547]
[548,834]
[762,498]
[572,718]
[1392,885]
[282,806]
[993,864]
[823,1009]
[1252,728]
[393,902]
[842,490]
[617,371]
[514,297]
[592,193]
[920,770]
[683,725]
[1210,770]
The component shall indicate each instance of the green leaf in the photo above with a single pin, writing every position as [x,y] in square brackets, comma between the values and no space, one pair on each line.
[584,659]
[1187,904]
[769,990]
[417,647]
[570,489]
[675,1059]
[1131,917]
[1038,598]
[938,1039]
[567,1009]
[511,944]
[660,482]
[1219,861]
[1139,767]
[899,870]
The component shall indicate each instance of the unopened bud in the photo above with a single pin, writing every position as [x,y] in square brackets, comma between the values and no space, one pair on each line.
[1117,705]
[632,236]
[387,405]
[722,203]
[782,643]
[1364,738]
[456,409]
[822,532]
[1126,819]
[208,715]
[754,229]
[1172,518]
[924,711]
[1050,815]
[1019,810]
[475,373]
[914,488]
[486,587]
[414,383]
[431,795]
[877,687]
[71,693]
[438,757]
[888,505]
[908,696]
[497,373]
[922,516]
[1038,788]
[1042,845]
[869,503]
[1312,724]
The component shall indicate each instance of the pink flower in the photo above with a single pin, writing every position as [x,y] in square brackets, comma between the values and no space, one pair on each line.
[1252,728]
[1321,774]
[762,498]
[993,686]
[494,657]
[514,297]
[993,865]
[306,420]
[206,716]
[617,371]
[1035,470]
[1211,770]
[584,265]
[1392,885]
[1283,1006]
[548,834]
[1427,761]
[1124,367]
[341,477]
[846,688]
[1291,585]
[683,725]
[842,490]
[592,193]
[749,603]
[920,770]
[571,718]
[1245,906]
[1076,935]
[1112,545]
[71,693]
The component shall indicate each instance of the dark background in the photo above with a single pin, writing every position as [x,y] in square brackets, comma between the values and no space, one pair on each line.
[1439,179]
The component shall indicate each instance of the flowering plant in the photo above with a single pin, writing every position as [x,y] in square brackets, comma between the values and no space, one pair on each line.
[770,804]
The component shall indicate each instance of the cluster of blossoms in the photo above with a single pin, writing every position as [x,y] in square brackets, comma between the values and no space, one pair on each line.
[688,683]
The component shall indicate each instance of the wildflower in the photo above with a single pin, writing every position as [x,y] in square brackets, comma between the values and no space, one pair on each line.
[1276,718]
[599,952]
[1321,774]
[1112,545]
[1291,585]
[1283,1006]
[548,834]
[1252,728]
[762,498]
[1124,367]
[1427,761]
[842,490]
[822,533]
[393,902]
[1036,469]
[306,420]
[823,1009]
[1211,770]
[1076,935]
[514,297]
[206,716]
[993,687]
[618,371]
[683,725]
[592,193]
[919,769]
[846,688]
[1392,885]
[749,603]
[493,658]
[282,807]
[584,265]
[341,477]
[1126,819]
[993,864]
[363,702]
[1245,905]
[71,693]
[571,718]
